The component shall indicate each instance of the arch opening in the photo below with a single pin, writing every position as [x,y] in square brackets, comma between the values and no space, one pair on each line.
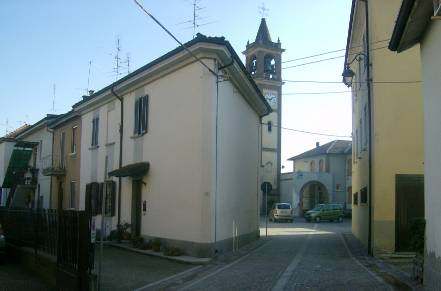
[312,194]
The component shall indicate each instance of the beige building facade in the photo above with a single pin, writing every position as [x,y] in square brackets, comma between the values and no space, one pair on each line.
[64,167]
[387,120]
[418,25]
[190,154]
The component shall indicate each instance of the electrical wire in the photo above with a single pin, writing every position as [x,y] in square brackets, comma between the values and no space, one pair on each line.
[330,52]
[328,59]
[316,93]
[175,38]
[308,132]
[358,82]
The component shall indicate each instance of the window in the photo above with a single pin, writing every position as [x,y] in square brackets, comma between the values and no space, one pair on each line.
[73,188]
[141,115]
[253,65]
[312,166]
[270,126]
[62,148]
[40,149]
[95,126]
[363,196]
[355,200]
[73,143]
[283,206]
[349,201]
[321,166]
[337,187]
[269,67]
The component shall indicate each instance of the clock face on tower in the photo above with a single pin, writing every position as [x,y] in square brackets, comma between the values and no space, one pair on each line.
[271,97]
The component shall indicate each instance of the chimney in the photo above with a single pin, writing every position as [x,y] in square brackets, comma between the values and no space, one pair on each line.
[317,144]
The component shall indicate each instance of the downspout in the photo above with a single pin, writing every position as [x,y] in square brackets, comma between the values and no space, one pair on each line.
[121,131]
[216,146]
[369,104]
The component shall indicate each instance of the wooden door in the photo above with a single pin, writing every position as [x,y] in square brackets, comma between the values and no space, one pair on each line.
[409,206]
[136,208]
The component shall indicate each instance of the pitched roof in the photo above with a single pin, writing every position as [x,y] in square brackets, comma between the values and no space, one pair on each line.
[411,23]
[333,147]
[263,34]
[200,38]
[16,132]
[45,120]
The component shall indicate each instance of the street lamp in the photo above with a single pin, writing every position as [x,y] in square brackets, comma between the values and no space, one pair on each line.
[348,74]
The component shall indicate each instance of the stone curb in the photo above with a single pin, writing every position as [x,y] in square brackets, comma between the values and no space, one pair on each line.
[389,273]
[181,259]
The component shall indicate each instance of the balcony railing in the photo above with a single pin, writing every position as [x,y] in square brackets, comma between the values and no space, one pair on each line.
[54,165]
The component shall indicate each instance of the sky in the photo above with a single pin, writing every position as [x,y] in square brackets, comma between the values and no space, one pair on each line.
[48,44]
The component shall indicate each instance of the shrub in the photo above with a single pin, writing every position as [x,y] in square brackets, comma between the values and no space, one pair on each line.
[146,245]
[173,252]
[137,242]
[417,239]
[156,245]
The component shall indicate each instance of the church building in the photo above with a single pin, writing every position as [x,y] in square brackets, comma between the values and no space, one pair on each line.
[263,61]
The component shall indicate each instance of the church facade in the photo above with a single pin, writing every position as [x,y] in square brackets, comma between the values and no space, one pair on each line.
[263,61]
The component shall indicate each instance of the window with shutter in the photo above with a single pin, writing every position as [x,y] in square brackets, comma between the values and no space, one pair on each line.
[141,115]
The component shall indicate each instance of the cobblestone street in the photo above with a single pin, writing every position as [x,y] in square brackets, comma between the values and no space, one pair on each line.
[295,256]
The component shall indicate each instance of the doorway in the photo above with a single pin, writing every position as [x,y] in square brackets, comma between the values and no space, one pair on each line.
[136,207]
[409,202]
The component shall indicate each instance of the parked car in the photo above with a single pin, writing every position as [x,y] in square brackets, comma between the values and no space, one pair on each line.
[281,211]
[329,212]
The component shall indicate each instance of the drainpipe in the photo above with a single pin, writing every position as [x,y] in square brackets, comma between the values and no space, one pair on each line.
[121,130]
[369,104]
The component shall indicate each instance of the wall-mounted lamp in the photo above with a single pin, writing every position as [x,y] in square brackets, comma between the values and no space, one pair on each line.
[348,74]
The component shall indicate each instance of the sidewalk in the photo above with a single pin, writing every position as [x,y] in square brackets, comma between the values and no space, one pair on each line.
[389,273]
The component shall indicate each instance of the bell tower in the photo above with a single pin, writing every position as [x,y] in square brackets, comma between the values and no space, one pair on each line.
[263,62]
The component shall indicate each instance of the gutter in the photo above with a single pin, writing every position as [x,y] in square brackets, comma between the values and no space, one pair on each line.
[400,25]
[369,103]
[121,131]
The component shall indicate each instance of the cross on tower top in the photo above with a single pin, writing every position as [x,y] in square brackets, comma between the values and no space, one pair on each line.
[263,11]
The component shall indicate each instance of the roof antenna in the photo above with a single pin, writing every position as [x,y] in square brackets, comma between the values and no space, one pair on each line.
[88,77]
[195,21]
[53,98]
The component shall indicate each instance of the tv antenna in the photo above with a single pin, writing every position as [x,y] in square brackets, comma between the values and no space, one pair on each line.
[117,68]
[195,21]
[88,77]
[54,88]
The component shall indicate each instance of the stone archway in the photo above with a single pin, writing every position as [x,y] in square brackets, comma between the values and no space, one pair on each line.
[311,194]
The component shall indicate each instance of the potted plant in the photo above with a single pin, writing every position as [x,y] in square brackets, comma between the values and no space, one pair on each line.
[417,243]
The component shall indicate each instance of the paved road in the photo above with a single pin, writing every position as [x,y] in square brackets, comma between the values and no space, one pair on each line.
[297,256]
[14,277]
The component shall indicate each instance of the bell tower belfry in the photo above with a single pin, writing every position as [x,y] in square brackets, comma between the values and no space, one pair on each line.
[263,62]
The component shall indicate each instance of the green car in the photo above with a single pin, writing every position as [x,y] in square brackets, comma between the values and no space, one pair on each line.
[329,212]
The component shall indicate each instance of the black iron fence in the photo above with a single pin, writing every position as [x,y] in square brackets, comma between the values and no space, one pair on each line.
[62,234]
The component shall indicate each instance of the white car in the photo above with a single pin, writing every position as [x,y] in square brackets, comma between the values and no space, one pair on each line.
[281,211]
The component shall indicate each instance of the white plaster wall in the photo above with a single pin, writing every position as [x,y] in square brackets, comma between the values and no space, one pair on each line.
[178,146]
[93,158]
[6,149]
[42,135]
[431,64]
[238,165]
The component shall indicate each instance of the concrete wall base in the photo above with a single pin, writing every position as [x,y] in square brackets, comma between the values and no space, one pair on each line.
[432,272]
[204,250]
